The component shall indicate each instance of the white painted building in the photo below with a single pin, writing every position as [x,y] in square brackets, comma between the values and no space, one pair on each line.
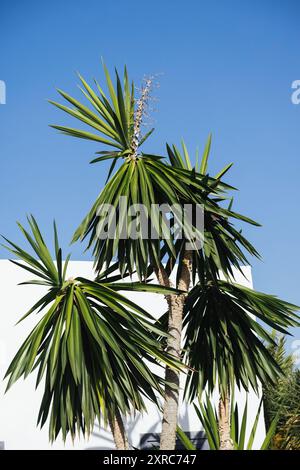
[19,406]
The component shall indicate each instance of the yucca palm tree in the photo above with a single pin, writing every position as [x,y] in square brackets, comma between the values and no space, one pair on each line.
[143,179]
[214,308]
[149,180]
[91,345]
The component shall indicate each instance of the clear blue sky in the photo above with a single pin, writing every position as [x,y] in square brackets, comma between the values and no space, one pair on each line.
[227,68]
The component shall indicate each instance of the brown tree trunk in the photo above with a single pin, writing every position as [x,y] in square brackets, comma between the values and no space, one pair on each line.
[224,423]
[172,377]
[118,431]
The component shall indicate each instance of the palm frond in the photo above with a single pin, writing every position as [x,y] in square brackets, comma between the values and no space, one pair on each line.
[223,247]
[91,346]
[224,340]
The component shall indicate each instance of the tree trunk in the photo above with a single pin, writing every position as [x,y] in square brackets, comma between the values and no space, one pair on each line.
[172,377]
[118,431]
[224,423]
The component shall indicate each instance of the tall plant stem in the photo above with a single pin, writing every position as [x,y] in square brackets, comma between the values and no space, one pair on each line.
[118,431]
[176,305]
[224,423]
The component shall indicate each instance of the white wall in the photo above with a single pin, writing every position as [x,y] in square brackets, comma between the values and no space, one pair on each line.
[19,407]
